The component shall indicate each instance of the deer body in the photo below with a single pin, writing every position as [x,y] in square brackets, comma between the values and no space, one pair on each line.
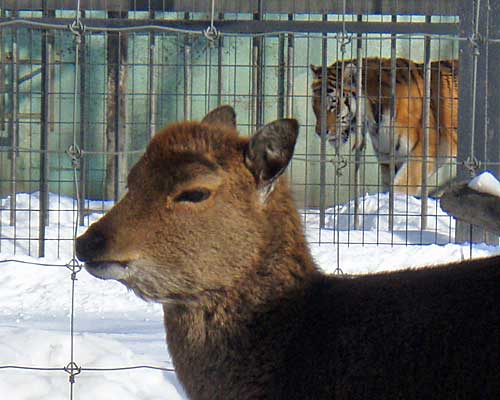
[210,231]
[426,334]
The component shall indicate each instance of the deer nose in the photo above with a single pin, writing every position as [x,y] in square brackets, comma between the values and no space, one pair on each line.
[90,245]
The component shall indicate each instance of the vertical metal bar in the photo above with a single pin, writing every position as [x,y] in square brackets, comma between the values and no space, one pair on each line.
[110,145]
[187,74]
[491,120]
[359,125]
[426,127]
[289,71]
[121,116]
[392,144]
[466,116]
[2,77]
[82,187]
[152,81]
[13,125]
[44,138]
[2,103]
[118,131]
[281,76]
[220,67]
[52,80]
[116,113]
[322,168]
[257,72]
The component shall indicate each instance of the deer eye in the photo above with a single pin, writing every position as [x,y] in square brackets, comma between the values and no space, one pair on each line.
[193,196]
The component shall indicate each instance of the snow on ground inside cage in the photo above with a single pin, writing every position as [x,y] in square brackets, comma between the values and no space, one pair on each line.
[113,328]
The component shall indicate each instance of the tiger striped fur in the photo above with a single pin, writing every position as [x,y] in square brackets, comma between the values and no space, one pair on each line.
[375,104]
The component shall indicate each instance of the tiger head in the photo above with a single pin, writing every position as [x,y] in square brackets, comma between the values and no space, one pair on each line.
[340,102]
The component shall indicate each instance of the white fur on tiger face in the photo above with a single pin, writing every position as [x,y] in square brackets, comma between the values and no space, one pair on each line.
[345,109]
[341,106]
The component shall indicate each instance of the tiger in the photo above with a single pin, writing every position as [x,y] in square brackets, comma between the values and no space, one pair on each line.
[375,113]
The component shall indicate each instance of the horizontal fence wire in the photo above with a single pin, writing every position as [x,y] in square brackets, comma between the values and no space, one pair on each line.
[21,22]
[8,149]
[33,263]
[341,26]
[83,152]
[88,369]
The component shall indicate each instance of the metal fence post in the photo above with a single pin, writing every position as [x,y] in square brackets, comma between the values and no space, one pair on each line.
[220,66]
[44,137]
[289,72]
[257,73]
[392,134]
[360,125]
[426,129]
[152,81]
[116,124]
[13,125]
[477,20]
[82,187]
[187,74]
[323,122]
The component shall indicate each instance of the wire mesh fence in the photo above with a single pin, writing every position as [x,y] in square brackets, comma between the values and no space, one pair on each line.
[84,86]
[178,75]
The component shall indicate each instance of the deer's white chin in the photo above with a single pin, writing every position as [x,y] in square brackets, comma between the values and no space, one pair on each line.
[108,270]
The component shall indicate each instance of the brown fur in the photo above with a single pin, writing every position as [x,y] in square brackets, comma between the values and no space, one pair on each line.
[247,313]
[408,122]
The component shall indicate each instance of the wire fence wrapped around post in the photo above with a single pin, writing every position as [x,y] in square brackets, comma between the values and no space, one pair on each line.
[323,127]
[392,131]
[13,126]
[43,219]
[426,129]
[360,127]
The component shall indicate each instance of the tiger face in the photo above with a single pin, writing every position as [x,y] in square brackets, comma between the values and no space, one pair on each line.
[340,107]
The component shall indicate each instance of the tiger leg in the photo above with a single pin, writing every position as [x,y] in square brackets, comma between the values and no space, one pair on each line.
[408,179]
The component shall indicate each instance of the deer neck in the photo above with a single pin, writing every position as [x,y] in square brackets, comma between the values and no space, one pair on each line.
[227,335]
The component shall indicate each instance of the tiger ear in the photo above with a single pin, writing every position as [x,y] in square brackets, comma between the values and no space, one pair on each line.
[316,70]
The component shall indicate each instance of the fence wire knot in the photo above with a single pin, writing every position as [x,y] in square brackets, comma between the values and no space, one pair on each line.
[72,369]
[475,40]
[345,39]
[75,267]
[75,153]
[472,164]
[339,163]
[211,33]
[77,28]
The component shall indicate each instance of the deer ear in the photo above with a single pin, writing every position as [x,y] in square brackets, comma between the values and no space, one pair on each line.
[316,70]
[269,152]
[223,115]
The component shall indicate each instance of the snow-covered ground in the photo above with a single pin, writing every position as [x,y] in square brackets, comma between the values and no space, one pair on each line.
[113,328]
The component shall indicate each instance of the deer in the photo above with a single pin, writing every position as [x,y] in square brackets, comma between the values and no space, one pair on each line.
[209,229]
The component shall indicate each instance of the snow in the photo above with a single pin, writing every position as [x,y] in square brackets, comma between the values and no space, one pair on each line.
[486,182]
[113,328]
